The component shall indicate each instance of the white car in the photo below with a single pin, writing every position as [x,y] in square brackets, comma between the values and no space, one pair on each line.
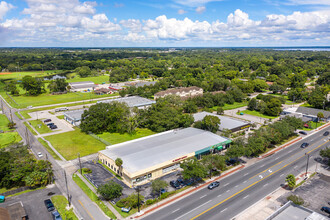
[39,154]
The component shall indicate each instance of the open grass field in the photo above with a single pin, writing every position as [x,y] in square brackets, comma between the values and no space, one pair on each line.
[9,138]
[115,138]
[24,101]
[69,144]
[93,196]
[20,75]
[95,79]
[231,106]
[4,123]
[40,126]
[256,113]
[60,203]
[50,151]
[313,125]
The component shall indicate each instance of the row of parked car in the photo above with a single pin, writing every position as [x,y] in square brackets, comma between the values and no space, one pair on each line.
[50,124]
[51,208]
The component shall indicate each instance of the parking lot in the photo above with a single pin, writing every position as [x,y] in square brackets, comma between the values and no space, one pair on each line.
[33,203]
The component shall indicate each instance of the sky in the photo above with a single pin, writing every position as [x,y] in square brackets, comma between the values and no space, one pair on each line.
[164,23]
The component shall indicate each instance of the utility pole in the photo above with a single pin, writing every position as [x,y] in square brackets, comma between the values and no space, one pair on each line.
[137,188]
[79,163]
[67,189]
[307,163]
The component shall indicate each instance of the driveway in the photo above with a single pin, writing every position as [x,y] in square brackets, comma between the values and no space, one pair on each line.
[33,203]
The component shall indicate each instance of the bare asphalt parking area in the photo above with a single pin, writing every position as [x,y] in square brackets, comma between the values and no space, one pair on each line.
[33,203]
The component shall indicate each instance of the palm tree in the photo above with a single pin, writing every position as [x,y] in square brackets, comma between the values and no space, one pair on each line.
[319,116]
[119,163]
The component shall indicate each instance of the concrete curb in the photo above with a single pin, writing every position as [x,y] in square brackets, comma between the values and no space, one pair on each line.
[170,200]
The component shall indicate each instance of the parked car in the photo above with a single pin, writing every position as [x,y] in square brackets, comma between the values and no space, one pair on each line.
[50,124]
[2,199]
[40,154]
[231,162]
[53,127]
[213,185]
[303,132]
[56,215]
[123,209]
[325,209]
[49,205]
[303,145]
[1,131]
[47,120]
[326,133]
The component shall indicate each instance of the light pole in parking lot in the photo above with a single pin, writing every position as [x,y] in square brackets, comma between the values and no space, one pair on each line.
[307,164]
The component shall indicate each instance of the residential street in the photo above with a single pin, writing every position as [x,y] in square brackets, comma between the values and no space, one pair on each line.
[240,190]
[83,205]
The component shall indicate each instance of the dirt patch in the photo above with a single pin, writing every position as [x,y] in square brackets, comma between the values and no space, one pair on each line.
[6,73]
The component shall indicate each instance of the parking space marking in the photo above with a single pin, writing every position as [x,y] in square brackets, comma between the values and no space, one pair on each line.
[246,174]
[245,181]
[265,184]
[282,174]
[236,186]
[295,166]
[277,158]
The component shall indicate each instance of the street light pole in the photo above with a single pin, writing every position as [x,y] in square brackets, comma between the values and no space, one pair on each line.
[307,164]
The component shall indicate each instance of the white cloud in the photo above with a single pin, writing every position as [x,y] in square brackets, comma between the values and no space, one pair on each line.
[4,8]
[194,3]
[181,12]
[200,9]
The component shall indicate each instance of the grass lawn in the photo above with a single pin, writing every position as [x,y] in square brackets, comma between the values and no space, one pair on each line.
[4,123]
[24,101]
[93,196]
[29,127]
[95,79]
[18,115]
[69,144]
[60,117]
[43,128]
[306,105]
[115,138]
[9,138]
[50,151]
[60,203]
[20,75]
[231,106]
[256,113]
[313,125]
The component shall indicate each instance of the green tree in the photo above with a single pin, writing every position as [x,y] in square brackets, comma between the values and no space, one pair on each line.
[58,85]
[273,107]
[291,180]
[189,107]
[209,123]
[110,190]
[83,71]
[220,111]
[157,185]
[12,88]
[36,179]
[33,86]
[326,153]
[320,115]
[252,104]
[119,163]
[192,168]
[317,98]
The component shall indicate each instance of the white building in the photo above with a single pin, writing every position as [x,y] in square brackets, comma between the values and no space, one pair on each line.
[86,86]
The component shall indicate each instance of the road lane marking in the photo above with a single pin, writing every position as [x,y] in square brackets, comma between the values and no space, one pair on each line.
[176,210]
[295,166]
[266,169]
[227,190]
[265,184]
[291,150]
[226,184]
[263,165]
[224,210]
[260,177]
[246,174]
[245,196]
[270,171]
[252,184]
[277,158]
[282,174]
[202,196]
[245,181]
[218,195]
[236,186]
[192,210]
[86,210]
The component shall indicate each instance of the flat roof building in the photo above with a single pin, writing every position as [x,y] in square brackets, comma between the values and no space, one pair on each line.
[74,117]
[225,122]
[151,157]
[86,86]
[131,101]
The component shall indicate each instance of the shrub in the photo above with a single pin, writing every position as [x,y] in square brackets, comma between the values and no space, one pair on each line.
[296,199]
[87,170]
[130,201]
[110,190]
[291,180]
[151,201]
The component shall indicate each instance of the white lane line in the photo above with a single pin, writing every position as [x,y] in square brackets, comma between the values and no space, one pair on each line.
[236,186]
[246,174]
[245,196]
[227,190]
[290,151]
[218,195]
[277,158]
[245,181]
[265,184]
[176,210]
[224,210]
[282,174]
[202,196]
[263,165]
[226,184]
[295,166]
[192,210]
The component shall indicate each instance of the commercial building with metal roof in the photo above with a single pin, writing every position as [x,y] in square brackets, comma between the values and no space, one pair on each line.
[74,117]
[131,101]
[86,86]
[151,157]
[225,122]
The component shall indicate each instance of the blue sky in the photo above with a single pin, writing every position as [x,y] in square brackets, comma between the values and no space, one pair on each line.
[170,23]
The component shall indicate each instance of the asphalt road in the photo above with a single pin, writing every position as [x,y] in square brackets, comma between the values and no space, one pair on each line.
[81,202]
[242,189]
